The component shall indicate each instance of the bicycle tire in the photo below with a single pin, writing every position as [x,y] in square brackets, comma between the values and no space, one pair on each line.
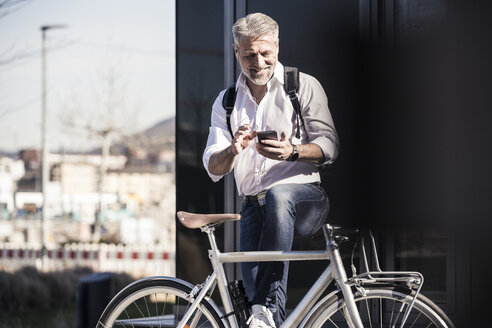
[380,307]
[156,302]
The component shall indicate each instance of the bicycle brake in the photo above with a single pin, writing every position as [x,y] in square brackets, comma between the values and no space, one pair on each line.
[195,291]
[414,283]
[340,239]
[360,290]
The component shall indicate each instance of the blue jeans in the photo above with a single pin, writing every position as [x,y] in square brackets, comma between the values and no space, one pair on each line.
[289,209]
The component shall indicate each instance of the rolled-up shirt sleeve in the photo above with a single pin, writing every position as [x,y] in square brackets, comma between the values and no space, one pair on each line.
[219,137]
[318,121]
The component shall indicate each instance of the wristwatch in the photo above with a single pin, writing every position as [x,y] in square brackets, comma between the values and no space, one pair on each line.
[295,154]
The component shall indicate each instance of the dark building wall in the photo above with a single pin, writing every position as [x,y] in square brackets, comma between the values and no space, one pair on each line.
[408,84]
[200,71]
[321,39]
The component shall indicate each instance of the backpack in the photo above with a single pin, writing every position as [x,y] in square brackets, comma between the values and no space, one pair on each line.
[291,87]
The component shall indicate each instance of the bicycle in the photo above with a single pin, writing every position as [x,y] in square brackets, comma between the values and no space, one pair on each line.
[370,299]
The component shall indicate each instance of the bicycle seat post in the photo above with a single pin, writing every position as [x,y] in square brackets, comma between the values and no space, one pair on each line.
[328,232]
[209,230]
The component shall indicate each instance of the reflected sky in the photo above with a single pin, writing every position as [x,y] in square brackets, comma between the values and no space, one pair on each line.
[121,44]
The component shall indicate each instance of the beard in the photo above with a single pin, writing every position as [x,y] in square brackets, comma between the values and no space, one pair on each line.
[259,76]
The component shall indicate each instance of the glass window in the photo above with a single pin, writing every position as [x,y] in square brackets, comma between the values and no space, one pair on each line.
[426,253]
[200,77]
[320,40]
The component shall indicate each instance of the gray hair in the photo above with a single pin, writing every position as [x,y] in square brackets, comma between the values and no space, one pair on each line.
[254,26]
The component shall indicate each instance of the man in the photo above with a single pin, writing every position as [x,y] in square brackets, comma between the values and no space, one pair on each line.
[278,178]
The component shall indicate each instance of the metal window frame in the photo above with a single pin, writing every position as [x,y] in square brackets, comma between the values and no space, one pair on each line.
[389,242]
[232,202]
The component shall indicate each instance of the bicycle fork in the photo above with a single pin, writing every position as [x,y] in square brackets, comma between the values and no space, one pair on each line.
[352,313]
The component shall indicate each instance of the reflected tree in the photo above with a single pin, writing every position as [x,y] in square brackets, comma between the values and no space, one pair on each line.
[105,115]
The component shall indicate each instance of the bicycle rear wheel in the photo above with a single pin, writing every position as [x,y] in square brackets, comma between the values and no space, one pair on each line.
[156,302]
[381,307]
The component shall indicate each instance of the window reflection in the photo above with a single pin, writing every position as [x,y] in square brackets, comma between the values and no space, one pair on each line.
[200,76]
[425,252]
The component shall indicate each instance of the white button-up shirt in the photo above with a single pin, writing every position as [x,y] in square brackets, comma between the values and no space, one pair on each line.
[252,171]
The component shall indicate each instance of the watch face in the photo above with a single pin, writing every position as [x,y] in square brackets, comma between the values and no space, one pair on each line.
[295,155]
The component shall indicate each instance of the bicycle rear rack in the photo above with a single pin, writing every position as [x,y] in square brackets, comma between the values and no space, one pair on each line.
[412,279]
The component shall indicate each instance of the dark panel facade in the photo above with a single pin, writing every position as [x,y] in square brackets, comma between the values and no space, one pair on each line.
[200,71]
[321,39]
[408,84]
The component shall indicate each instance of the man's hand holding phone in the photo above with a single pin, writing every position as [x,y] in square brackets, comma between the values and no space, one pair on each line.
[269,146]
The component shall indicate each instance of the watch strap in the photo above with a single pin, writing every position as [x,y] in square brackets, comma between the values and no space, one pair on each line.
[294,155]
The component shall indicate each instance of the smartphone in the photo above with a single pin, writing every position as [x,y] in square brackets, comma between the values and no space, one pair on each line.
[270,134]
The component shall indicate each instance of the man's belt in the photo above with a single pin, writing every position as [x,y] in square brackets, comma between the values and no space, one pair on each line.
[259,197]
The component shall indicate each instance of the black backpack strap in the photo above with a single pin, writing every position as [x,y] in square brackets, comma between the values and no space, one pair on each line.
[291,86]
[228,102]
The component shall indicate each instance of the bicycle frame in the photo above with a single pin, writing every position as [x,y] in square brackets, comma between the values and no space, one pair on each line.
[334,271]
[402,287]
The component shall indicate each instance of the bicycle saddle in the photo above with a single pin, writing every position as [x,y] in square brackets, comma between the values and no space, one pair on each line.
[193,221]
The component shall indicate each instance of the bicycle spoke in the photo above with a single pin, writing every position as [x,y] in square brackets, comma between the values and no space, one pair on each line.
[128,316]
[392,312]
[414,321]
[334,324]
[134,309]
[188,305]
[147,307]
[164,306]
[345,314]
[196,319]
[399,312]
[381,312]
[368,314]
[138,308]
[176,313]
[392,307]
[157,308]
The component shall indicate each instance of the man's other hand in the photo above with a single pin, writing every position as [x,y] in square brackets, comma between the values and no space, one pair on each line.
[242,138]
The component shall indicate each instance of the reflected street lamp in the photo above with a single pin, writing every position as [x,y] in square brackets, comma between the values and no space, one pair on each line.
[44,149]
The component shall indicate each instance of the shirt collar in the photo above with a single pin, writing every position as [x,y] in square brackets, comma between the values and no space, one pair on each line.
[278,75]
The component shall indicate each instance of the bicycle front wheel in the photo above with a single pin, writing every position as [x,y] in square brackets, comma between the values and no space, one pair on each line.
[156,302]
[381,307]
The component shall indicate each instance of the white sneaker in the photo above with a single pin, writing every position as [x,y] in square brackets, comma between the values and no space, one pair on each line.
[261,317]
